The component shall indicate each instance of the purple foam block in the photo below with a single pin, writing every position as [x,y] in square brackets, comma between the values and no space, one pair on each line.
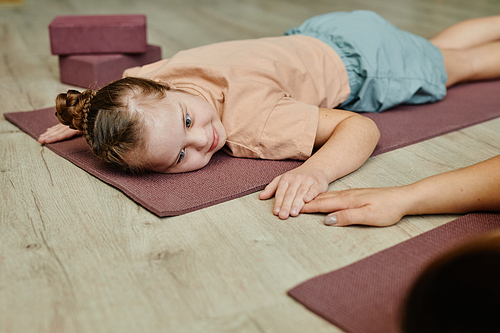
[81,34]
[97,70]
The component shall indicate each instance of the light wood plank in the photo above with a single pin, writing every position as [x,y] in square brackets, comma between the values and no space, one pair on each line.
[76,255]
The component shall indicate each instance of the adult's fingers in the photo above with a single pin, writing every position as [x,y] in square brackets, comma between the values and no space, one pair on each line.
[326,203]
[360,216]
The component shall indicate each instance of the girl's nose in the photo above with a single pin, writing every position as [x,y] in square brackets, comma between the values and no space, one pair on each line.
[199,139]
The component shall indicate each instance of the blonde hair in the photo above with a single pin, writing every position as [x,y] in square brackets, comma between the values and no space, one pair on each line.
[109,119]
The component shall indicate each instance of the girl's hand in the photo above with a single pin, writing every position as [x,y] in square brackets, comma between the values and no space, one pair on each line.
[56,133]
[344,141]
[293,189]
[372,206]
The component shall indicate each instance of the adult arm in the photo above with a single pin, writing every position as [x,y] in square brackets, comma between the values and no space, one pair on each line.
[344,141]
[474,188]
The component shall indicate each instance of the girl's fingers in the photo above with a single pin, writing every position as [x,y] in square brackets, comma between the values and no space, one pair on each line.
[304,191]
[291,192]
[56,133]
[283,201]
[270,189]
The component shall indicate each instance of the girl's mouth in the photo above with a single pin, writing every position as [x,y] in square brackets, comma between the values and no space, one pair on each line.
[216,140]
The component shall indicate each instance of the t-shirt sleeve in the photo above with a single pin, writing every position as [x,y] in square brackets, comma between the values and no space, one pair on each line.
[148,71]
[287,132]
[290,130]
[131,72]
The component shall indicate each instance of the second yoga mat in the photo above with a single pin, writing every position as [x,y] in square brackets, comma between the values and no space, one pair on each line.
[367,296]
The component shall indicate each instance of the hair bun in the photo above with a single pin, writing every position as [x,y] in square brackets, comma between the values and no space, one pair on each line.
[72,108]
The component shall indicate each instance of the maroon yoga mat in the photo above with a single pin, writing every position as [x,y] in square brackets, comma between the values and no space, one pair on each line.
[368,296]
[226,178]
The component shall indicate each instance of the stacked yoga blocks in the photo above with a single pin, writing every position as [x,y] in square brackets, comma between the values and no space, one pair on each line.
[95,50]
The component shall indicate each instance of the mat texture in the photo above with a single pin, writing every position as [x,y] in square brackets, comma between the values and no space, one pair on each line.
[226,178]
[367,296]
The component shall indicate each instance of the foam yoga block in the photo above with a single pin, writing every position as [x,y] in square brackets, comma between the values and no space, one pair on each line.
[97,70]
[98,34]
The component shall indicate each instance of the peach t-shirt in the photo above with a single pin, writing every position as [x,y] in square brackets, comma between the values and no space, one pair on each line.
[267,91]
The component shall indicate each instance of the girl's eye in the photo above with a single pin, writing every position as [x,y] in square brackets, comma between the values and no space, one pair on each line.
[181,156]
[188,121]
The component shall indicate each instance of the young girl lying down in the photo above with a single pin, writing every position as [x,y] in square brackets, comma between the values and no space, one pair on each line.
[288,97]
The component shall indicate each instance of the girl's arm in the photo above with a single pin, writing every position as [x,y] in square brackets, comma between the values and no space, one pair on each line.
[56,133]
[344,141]
[474,188]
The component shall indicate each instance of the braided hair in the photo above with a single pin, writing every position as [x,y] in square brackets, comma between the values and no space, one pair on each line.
[108,120]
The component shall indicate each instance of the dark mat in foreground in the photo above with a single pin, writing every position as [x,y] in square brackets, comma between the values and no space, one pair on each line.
[367,296]
[226,178]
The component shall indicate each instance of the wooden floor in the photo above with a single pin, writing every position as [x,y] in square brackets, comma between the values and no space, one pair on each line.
[77,255]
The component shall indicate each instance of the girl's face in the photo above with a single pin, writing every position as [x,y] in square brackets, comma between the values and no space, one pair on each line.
[184,133]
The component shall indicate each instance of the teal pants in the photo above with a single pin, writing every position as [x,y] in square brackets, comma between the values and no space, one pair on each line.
[386,66]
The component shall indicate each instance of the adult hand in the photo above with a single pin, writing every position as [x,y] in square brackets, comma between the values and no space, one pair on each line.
[372,206]
[56,133]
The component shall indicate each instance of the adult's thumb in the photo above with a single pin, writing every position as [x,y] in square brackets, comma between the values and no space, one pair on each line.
[346,217]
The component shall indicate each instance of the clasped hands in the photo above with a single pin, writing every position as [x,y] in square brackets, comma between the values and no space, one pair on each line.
[301,191]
